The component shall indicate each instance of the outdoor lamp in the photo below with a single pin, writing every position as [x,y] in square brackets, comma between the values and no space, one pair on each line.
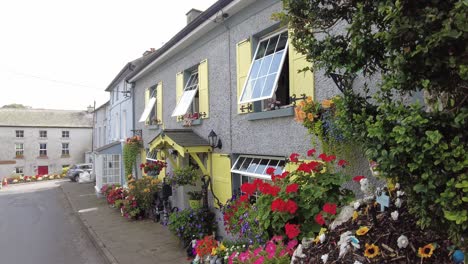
[214,141]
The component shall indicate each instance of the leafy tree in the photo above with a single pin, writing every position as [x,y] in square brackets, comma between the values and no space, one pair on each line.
[16,106]
[409,47]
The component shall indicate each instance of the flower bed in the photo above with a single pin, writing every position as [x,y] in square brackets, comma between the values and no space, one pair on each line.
[27,179]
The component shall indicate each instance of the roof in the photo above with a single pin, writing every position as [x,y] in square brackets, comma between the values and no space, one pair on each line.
[212,10]
[183,137]
[103,105]
[45,118]
[128,68]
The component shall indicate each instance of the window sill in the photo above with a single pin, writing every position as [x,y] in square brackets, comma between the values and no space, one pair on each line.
[42,157]
[19,157]
[289,111]
[65,156]
[195,122]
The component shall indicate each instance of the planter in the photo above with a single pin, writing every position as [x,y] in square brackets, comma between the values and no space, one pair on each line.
[195,204]
[153,173]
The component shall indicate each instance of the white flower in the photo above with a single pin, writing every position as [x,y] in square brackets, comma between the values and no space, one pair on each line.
[322,238]
[400,193]
[365,187]
[398,202]
[356,205]
[394,215]
[402,241]
[357,262]
[324,258]
[397,185]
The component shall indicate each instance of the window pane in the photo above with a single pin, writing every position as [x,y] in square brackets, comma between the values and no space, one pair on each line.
[255,68]
[265,65]
[245,164]
[257,92]
[282,41]
[261,49]
[253,166]
[268,88]
[272,45]
[262,166]
[276,62]
[184,103]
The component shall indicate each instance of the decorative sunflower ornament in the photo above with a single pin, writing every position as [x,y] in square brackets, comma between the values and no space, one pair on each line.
[371,251]
[426,251]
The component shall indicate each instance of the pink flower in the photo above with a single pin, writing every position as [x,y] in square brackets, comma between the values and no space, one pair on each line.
[260,260]
[244,256]
[257,251]
[270,249]
[293,157]
[310,152]
[292,244]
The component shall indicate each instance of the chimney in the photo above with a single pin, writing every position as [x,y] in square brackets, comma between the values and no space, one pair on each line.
[192,14]
[90,109]
[148,52]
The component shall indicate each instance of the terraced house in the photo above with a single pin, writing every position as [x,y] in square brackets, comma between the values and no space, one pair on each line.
[231,72]
[41,141]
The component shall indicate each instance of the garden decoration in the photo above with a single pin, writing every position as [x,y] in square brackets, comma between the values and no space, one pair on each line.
[389,240]
[153,168]
[194,199]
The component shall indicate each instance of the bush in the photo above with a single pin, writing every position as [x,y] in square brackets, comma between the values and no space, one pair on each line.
[183,176]
[188,224]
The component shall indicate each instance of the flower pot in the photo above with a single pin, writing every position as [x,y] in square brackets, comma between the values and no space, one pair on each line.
[152,173]
[195,204]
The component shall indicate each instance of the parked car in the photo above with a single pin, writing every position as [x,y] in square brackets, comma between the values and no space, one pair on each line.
[75,170]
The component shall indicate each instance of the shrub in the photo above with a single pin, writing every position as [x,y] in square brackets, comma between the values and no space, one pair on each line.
[188,224]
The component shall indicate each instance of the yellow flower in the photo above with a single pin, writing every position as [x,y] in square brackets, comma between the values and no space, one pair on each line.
[131,187]
[371,251]
[362,231]
[213,252]
[310,116]
[146,190]
[309,99]
[327,103]
[426,251]
[222,247]
[355,215]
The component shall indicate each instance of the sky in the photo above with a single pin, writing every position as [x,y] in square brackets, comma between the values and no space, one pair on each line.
[57,54]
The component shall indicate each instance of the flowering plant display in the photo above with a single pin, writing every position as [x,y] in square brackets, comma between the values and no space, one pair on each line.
[274,251]
[134,140]
[153,168]
[188,224]
[241,219]
[130,152]
[142,190]
[115,193]
[300,202]
[183,176]
[204,247]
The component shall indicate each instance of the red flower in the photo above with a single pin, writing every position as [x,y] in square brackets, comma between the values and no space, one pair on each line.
[244,198]
[310,152]
[358,178]
[248,188]
[266,188]
[342,163]
[257,183]
[326,158]
[329,208]
[309,167]
[292,188]
[270,170]
[293,157]
[319,219]
[291,206]
[278,205]
[292,230]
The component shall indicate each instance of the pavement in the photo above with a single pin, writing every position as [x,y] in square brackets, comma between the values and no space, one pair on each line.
[122,241]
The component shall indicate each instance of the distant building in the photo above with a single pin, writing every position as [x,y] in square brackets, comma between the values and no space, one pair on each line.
[41,141]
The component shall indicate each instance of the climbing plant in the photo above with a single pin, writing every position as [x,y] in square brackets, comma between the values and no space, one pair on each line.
[401,50]
[130,152]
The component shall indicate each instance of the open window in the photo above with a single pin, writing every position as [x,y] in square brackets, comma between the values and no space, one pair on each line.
[149,114]
[267,83]
[189,101]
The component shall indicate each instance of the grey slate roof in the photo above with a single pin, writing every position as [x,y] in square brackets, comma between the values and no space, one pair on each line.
[45,118]
[184,137]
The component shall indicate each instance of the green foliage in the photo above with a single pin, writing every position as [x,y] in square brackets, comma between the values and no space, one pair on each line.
[195,195]
[130,153]
[183,176]
[410,46]
[188,224]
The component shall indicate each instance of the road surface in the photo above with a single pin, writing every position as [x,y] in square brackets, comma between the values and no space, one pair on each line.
[37,226]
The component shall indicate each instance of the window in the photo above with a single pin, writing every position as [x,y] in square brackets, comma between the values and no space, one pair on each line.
[267,81]
[111,172]
[19,170]
[19,149]
[42,133]
[65,134]
[186,101]
[117,93]
[153,97]
[65,149]
[152,155]
[124,124]
[42,149]
[19,133]
[248,168]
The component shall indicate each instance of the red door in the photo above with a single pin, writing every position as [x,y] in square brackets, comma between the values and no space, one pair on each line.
[42,170]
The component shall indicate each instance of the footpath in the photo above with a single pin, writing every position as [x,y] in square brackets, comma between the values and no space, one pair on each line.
[122,241]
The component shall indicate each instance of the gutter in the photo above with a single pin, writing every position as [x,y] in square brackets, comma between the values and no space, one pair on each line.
[202,24]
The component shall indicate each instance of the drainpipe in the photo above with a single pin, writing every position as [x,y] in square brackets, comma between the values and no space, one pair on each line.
[132,94]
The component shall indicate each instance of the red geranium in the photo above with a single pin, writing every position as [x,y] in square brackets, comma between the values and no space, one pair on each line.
[292,188]
[309,167]
[244,198]
[330,208]
[293,157]
[248,188]
[358,178]
[291,206]
[311,152]
[292,230]
[319,219]
[326,158]
[270,170]
[266,188]
[342,163]
[278,205]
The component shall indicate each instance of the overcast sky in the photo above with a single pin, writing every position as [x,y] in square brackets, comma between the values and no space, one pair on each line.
[58,54]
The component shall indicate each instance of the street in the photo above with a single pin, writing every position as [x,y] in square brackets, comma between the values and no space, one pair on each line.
[38,226]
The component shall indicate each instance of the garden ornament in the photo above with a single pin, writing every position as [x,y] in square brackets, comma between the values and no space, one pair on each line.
[297,253]
[458,256]
[402,241]
[366,188]
[345,214]
[324,258]
[344,243]
[306,242]
[394,215]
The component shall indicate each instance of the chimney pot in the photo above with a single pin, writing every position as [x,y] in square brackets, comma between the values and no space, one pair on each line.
[192,14]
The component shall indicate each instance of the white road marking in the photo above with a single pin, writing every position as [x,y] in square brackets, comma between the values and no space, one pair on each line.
[87,210]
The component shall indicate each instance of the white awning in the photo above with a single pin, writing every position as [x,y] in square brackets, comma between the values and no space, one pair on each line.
[256,166]
[184,103]
[147,110]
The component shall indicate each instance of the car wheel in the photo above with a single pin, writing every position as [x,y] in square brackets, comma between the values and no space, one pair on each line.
[76,178]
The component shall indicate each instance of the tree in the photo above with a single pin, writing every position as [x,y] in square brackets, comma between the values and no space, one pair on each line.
[16,106]
[411,46]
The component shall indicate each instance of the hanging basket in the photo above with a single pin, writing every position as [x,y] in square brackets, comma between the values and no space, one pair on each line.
[153,173]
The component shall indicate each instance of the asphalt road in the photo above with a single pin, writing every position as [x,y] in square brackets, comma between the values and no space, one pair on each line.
[37,226]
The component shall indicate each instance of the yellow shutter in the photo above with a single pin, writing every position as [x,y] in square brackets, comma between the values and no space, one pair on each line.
[243,61]
[299,82]
[159,103]
[143,160]
[222,186]
[147,95]
[162,173]
[203,93]
[179,87]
